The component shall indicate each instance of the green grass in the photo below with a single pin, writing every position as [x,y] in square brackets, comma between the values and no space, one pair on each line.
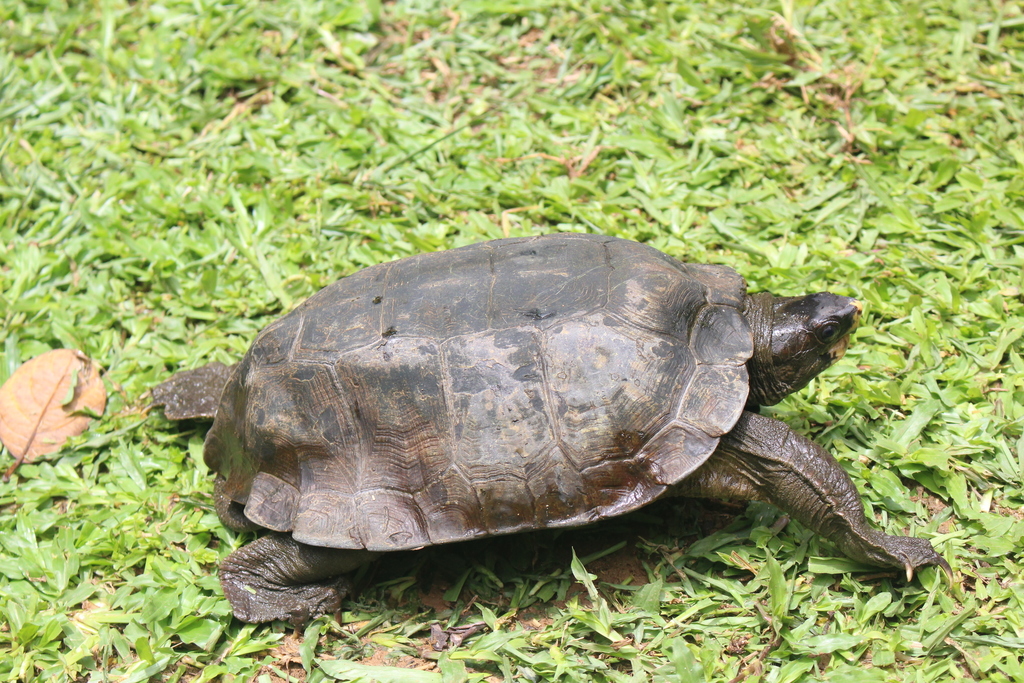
[175,175]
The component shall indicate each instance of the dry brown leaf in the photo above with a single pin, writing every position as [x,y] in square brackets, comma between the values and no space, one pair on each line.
[46,401]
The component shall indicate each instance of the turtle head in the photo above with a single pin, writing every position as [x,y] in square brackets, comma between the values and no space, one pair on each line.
[795,338]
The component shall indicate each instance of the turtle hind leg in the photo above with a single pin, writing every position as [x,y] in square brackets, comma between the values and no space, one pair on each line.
[276,577]
[763,459]
[193,394]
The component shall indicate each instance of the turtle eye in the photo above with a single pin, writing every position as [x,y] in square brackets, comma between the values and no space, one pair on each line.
[828,332]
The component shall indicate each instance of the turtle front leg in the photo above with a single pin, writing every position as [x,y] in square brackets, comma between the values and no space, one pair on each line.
[763,459]
[276,577]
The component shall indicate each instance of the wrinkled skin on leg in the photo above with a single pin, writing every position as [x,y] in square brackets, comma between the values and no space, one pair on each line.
[763,459]
[276,577]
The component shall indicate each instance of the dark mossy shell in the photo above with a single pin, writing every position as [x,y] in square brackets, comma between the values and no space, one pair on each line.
[504,386]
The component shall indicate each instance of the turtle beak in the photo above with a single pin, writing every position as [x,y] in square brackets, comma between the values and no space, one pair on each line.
[858,308]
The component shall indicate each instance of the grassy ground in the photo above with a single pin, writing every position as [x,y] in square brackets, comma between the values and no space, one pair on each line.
[174,175]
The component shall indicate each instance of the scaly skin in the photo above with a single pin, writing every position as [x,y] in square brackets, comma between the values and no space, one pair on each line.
[276,577]
[232,514]
[763,459]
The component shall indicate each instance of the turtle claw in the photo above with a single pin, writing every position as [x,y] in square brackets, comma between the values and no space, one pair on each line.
[937,561]
[929,558]
[946,569]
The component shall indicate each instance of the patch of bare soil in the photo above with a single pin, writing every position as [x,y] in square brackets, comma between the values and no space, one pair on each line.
[933,505]
[534,619]
[621,567]
[287,660]
[434,598]
[385,657]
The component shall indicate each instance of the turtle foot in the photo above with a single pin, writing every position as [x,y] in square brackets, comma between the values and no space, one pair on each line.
[255,603]
[276,577]
[899,552]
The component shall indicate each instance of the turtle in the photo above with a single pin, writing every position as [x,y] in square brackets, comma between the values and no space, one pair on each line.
[505,386]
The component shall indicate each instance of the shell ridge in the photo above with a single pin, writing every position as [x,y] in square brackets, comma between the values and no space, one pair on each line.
[447,439]
[452,450]
[384,297]
[625,457]
[490,288]
[549,403]
[332,360]
[572,280]
[640,326]
[296,342]
[608,275]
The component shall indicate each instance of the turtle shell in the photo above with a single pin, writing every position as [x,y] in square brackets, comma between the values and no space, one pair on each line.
[495,388]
